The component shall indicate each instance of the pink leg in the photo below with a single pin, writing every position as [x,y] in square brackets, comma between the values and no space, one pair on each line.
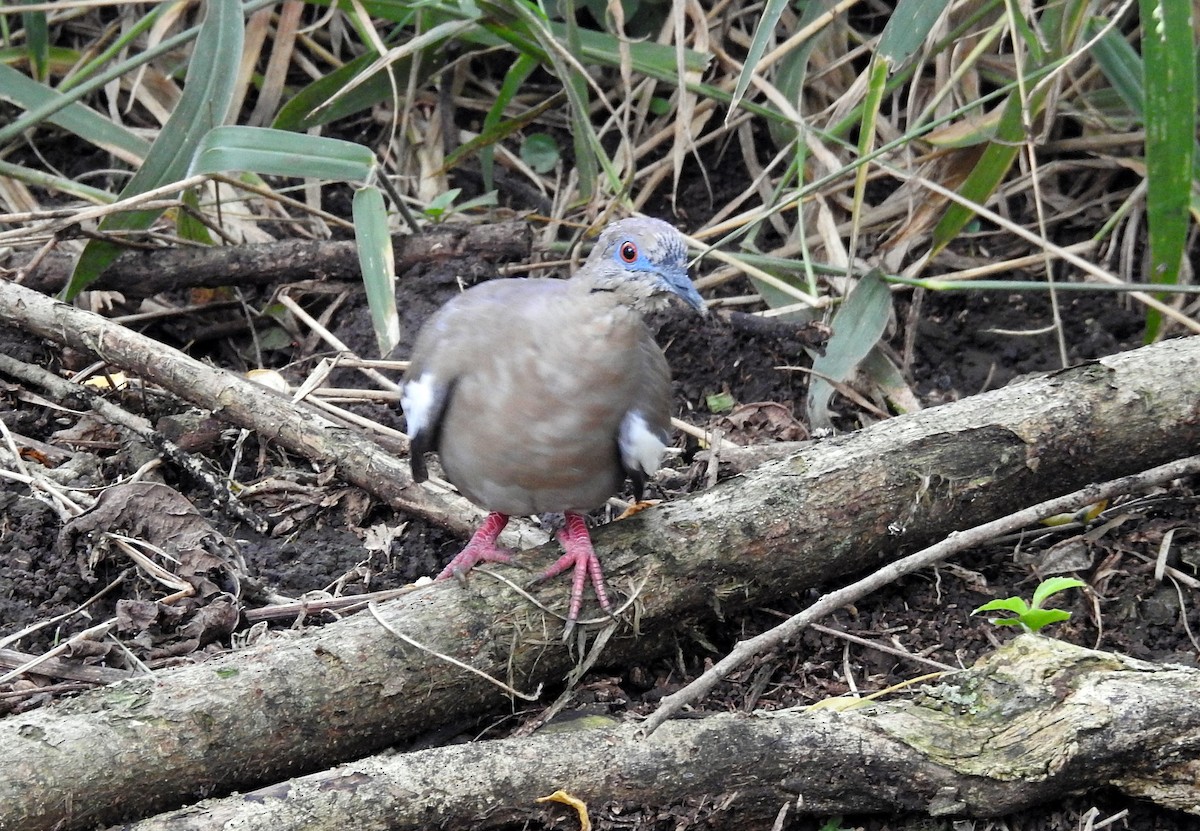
[481,548]
[580,555]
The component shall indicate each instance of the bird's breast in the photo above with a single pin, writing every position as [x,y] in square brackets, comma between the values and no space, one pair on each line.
[535,429]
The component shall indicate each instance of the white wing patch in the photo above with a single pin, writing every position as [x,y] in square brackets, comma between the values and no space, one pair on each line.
[641,447]
[417,400]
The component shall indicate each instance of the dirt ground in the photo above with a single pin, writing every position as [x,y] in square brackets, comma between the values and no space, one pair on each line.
[319,540]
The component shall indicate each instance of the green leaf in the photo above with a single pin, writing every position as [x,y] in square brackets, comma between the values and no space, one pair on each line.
[112,70]
[58,183]
[442,203]
[1052,586]
[272,152]
[877,79]
[720,402]
[1121,66]
[377,261]
[660,106]
[857,327]
[887,378]
[1006,621]
[329,99]
[540,151]
[484,142]
[1008,604]
[1035,619]
[207,93]
[187,225]
[523,25]
[483,200]
[308,108]
[75,118]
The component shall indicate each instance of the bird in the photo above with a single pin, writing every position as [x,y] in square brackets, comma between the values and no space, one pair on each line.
[542,396]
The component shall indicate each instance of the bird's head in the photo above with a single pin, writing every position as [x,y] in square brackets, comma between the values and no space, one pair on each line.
[642,261]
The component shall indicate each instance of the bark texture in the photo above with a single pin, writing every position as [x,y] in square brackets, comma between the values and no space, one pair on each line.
[298,704]
[1033,722]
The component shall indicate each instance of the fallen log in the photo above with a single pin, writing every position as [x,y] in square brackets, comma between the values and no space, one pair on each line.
[1031,723]
[146,272]
[345,690]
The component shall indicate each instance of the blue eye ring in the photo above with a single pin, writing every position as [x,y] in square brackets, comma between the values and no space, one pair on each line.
[628,252]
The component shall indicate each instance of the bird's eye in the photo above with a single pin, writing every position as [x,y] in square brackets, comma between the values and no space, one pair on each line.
[629,252]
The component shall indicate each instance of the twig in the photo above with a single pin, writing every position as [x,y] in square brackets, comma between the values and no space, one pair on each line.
[637,590]
[42,624]
[881,647]
[34,663]
[955,543]
[577,673]
[292,306]
[56,668]
[63,390]
[706,436]
[454,661]
[346,604]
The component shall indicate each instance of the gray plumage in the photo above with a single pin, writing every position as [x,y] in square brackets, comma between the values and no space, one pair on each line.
[543,396]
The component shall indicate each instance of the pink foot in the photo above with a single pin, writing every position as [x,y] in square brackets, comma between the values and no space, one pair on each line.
[481,549]
[580,556]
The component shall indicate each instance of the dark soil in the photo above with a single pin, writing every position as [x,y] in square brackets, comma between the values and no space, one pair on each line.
[320,531]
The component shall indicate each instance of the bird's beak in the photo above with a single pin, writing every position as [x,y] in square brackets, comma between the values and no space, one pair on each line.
[682,285]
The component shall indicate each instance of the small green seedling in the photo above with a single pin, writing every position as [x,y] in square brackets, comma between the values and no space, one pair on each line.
[1032,617]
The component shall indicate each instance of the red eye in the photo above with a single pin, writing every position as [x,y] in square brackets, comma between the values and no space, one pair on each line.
[629,252]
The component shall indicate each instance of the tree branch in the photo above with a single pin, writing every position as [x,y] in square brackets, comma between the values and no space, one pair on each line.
[142,273]
[1035,721]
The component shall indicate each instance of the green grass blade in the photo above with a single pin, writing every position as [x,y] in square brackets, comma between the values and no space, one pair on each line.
[1024,32]
[907,29]
[1030,285]
[314,106]
[520,24]
[207,92]
[656,60]
[1169,81]
[764,33]
[281,153]
[37,115]
[37,43]
[76,118]
[493,122]
[585,160]
[308,108]
[987,174]
[1121,67]
[376,260]
[877,79]
[857,327]
[187,222]
[132,31]
[49,181]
